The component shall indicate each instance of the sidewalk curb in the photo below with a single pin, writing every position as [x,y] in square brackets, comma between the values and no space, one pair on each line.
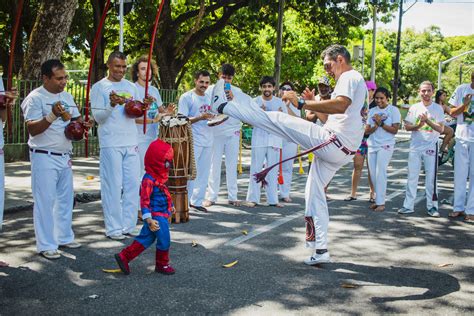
[87,197]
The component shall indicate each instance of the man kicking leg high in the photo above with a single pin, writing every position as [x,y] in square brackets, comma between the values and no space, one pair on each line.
[335,142]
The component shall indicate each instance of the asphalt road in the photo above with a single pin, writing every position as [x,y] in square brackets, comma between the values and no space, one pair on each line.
[382,262]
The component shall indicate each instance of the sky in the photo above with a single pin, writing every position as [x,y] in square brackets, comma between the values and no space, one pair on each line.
[454,17]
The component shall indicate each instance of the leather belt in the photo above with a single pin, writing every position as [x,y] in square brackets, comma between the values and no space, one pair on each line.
[41,151]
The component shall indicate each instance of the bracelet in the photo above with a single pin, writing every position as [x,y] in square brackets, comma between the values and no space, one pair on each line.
[301,103]
[51,117]
[382,124]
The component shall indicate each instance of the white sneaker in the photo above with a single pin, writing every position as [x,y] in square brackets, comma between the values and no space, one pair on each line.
[219,99]
[217,120]
[50,254]
[318,258]
[117,237]
[71,245]
[404,210]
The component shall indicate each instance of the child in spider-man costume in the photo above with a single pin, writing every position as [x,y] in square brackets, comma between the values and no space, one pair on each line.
[156,206]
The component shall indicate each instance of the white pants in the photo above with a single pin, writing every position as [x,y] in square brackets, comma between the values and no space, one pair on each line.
[414,166]
[119,186]
[53,195]
[228,146]
[259,155]
[197,187]
[379,159]
[289,150]
[463,168]
[2,186]
[327,160]
[142,148]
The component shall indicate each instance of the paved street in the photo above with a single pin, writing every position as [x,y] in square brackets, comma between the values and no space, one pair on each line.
[382,262]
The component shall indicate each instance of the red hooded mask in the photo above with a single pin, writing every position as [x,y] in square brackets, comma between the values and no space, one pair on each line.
[158,160]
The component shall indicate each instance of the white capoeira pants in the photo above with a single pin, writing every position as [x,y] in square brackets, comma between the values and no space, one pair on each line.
[2,186]
[428,157]
[53,195]
[229,147]
[119,186]
[259,155]
[379,158]
[463,168]
[289,150]
[197,187]
[327,160]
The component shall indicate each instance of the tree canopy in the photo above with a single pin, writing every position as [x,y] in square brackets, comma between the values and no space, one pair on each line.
[202,34]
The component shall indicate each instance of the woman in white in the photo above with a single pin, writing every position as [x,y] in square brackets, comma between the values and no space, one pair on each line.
[139,77]
[383,124]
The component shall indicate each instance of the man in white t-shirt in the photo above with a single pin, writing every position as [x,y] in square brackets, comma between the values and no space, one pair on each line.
[463,102]
[338,139]
[265,147]
[195,104]
[289,149]
[426,121]
[118,141]
[7,101]
[47,111]
[226,142]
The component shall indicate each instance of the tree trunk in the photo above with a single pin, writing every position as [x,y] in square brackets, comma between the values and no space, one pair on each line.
[48,36]
[99,68]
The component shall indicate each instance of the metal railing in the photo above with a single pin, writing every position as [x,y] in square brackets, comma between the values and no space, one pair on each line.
[19,133]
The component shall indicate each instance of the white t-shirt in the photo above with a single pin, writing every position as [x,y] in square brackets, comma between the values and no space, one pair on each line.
[2,141]
[349,127]
[38,104]
[425,137]
[193,105]
[232,126]
[465,128]
[260,137]
[116,129]
[390,115]
[151,129]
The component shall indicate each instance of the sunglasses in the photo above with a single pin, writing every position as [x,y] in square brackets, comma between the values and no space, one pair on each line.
[286,88]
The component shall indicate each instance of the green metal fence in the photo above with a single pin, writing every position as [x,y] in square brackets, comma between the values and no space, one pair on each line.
[19,134]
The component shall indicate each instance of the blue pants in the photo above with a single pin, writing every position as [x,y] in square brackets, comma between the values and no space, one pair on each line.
[162,235]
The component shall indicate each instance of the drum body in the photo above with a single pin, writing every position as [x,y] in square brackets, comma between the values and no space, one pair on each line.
[177,132]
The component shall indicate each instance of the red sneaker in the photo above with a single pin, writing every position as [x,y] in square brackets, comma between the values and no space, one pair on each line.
[165,269]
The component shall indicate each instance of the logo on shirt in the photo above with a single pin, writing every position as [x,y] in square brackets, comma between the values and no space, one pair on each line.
[152,111]
[66,106]
[468,113]
[204,108]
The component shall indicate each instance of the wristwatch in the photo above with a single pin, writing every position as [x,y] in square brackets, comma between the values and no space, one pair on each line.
[301,103]
[382,124]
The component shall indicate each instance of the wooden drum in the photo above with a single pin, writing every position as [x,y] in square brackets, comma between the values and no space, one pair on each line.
[176,131]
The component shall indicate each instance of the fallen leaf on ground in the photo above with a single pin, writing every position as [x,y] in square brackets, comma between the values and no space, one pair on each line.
[111,270]
[230,265]
[245,232]
[194,243]
[444,265]
[349,286]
